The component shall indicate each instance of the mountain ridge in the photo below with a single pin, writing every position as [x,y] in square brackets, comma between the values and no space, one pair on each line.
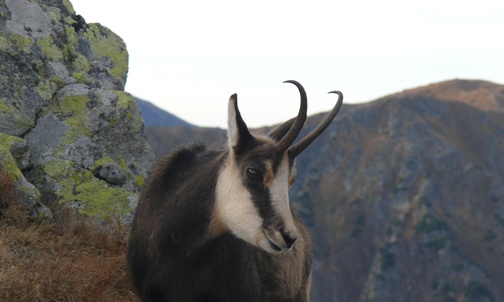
[403,195]
[480,94]
[155,116]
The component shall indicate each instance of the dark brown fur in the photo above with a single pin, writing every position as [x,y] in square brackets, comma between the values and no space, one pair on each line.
[175,255]
[181,248]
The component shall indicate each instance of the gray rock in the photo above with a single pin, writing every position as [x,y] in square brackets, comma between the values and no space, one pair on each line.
[18,148]
[23,191]
[111,173]
[45,138]
[62,90]
[28,19]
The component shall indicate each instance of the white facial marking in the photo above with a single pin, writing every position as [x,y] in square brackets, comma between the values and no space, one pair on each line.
[236,210]
[235,207]
[279,193]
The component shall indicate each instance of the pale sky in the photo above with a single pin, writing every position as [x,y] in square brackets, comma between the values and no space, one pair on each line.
[188,57]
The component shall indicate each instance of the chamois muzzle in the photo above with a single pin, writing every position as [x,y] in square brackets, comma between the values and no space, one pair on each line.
[288,238]
[308,139]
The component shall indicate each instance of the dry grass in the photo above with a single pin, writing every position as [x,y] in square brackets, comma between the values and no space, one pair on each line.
[69,259]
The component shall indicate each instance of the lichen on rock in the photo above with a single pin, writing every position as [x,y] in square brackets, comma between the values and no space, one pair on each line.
[62,95]
[13,159]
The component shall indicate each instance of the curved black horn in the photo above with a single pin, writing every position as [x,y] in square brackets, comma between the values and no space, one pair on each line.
[296,127]
[308,139]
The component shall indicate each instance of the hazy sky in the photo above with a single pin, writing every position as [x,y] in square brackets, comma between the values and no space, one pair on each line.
[188,57]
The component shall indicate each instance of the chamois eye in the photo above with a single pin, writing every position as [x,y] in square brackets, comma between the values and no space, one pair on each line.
[253,174]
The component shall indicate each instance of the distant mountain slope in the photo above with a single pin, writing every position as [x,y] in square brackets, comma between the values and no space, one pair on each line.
[403,196]
[155,116]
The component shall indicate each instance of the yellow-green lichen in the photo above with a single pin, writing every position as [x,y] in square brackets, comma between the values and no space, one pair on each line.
[139,180]
[46,89]
[24,191]
[97,197]
[54,13]
[127,102]
[69,7]
[122,164]
[21,42]
[8,140]
[81,63]
[73,104]
[73,110]
[3,106]
[57,80]
[78,128]
[22,121]
[9,163]
[20,89]
[50,49]
[100,200]
[111,47]
[103,161]
[4,44]
[69,20]
[41,68]
[79,76]
[16,114]
[70,48]
[124,100]
[54,168]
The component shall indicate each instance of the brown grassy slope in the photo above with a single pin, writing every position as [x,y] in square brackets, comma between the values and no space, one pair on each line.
[69,259]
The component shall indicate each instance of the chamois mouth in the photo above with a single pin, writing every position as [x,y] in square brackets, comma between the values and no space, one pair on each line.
[273,244]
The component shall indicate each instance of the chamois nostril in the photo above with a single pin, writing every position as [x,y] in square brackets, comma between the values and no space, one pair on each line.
[289,239]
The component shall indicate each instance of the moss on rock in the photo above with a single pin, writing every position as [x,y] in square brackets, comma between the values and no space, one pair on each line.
[95,197]
[50,49]
[62,90]
[3,106]
[25,192]
[8,161]
[109,47]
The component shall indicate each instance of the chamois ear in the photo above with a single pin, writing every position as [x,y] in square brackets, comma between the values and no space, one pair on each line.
[238,132]
[279,132]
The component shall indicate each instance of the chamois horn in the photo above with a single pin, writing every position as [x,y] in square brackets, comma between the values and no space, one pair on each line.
[308,139]
[296,127]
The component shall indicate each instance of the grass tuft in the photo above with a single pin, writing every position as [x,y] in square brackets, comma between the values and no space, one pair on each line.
[69,259]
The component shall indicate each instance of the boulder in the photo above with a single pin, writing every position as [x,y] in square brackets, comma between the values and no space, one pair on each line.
[78,136]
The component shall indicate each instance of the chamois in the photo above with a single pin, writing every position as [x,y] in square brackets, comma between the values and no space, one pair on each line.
[217,225]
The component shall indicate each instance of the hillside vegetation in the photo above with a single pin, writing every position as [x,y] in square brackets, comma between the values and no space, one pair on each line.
[66,259]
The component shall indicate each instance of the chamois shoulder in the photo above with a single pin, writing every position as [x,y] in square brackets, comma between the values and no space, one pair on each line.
[181,154]
[178,166]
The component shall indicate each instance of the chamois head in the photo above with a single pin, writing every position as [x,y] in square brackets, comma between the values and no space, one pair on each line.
[252,191]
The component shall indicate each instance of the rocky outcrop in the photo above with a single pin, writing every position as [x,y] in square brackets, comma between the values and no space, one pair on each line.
[75,135]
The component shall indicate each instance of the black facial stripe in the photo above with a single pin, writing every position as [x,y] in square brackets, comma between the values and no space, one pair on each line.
[262,202]
[254,153]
